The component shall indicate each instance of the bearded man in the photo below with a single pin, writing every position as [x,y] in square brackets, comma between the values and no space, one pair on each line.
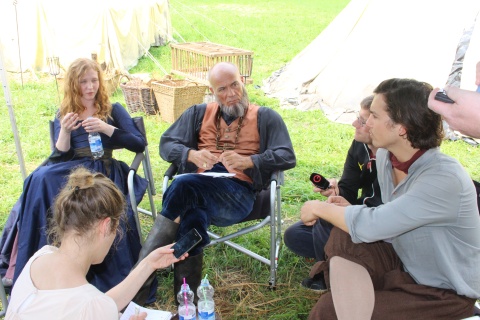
[227,136]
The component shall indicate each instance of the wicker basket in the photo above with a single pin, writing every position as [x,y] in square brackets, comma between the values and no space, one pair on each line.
[139,96]
[175,96]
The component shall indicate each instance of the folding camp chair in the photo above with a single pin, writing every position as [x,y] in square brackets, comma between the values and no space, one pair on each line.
[266,210]
[140,158]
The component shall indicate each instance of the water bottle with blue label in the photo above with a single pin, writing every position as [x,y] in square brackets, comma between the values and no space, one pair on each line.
[206,305]
[96,146]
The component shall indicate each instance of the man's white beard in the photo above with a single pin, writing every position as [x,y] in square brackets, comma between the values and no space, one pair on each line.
[236,110]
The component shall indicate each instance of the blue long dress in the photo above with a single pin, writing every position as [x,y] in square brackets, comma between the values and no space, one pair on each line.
[42,185]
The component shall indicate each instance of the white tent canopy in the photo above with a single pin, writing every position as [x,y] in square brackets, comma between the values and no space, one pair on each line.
[119,32]
[373,40]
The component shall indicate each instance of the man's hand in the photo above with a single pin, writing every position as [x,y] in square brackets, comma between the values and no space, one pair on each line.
[464,114]
[333,190]
[202,158]
[307,213]
[338,201]
[232,160]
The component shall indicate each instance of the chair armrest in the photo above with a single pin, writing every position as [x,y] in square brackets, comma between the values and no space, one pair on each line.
[137,161]
[171,171]
[277,176]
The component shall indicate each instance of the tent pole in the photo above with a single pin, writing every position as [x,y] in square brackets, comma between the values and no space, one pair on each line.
[6,91]
[18,41]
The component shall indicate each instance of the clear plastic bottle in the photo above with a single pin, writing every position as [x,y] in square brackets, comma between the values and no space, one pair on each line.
[186,308]
[206,305]
[96,146]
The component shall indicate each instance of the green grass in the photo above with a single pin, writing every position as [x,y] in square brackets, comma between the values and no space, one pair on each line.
[275,31]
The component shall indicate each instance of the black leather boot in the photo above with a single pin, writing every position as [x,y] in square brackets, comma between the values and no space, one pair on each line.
[191,270]
[163,232]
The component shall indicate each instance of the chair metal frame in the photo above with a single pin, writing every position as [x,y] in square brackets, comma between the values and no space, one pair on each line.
[273,217]
[143,158]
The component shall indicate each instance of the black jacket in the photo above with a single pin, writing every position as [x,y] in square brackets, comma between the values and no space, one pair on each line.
[360,172]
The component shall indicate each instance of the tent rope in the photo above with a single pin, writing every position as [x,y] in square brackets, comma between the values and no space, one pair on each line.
[208,18]
[148,54]
[190,24]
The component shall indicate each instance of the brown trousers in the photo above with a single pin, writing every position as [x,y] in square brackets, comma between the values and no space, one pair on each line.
[397,295]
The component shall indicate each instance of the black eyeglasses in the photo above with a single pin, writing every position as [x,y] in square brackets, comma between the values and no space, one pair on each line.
[361,121]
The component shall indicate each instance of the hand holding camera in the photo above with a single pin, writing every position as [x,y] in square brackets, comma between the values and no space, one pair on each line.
[328,187]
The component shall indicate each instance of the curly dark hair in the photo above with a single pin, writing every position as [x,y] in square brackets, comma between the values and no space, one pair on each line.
[407,104]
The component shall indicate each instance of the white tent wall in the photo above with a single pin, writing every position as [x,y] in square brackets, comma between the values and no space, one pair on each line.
[472,56]
[373,40]
[119,32]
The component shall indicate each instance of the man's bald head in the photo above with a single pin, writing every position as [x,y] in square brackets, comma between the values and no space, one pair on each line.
[221,69]
[227,86]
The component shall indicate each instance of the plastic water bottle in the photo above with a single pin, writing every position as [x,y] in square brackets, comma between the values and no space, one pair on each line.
[206,305]
[186,308]
[96,146]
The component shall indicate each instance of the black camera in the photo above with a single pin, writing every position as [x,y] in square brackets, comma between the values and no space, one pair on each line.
[319,181]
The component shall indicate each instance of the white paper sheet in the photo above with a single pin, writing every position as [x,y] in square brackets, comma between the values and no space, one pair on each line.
[151,314]
[210,174]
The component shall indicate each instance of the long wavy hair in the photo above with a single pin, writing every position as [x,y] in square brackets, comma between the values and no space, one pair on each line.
[72,91]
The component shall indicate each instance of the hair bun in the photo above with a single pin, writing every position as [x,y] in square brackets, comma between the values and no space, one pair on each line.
[80,178]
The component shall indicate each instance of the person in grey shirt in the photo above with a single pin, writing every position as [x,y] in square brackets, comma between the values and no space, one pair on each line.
[417,255]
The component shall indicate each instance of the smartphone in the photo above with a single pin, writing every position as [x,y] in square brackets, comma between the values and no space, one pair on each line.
[186,243]
[319,181]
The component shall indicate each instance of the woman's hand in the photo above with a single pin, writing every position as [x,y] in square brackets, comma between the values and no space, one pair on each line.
[92,124]
[163,257]
[141,316]
[69,123]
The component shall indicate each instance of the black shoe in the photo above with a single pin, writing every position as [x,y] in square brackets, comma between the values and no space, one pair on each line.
[315,284]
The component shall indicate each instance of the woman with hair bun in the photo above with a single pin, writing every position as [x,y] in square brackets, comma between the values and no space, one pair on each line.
[85,222]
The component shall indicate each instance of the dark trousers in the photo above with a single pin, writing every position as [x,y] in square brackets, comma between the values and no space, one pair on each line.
[308,241]
[201,201]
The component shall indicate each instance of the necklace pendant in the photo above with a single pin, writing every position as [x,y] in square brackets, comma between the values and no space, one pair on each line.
[228,129]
